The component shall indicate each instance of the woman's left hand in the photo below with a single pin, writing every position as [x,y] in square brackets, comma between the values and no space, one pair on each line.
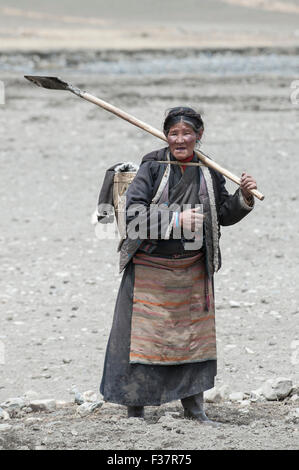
[247,183]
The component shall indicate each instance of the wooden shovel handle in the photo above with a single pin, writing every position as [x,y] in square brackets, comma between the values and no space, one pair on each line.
[142,125]
[206,160]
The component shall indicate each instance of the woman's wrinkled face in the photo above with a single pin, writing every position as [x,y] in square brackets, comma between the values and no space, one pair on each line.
[181,139]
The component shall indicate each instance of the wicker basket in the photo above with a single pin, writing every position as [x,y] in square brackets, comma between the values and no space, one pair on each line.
[121,182]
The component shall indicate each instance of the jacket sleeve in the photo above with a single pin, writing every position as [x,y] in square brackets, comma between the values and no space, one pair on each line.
[231,208]
[152,221]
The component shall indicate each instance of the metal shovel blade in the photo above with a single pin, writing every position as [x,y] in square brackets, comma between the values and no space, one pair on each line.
[53,83]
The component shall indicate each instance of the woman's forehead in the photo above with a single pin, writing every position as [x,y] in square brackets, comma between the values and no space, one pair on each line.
[181,126]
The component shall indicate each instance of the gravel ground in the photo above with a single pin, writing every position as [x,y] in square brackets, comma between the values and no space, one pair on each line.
[58,281]
[263,427]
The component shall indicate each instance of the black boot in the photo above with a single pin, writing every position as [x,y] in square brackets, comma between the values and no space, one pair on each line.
[135,411]
[193,409]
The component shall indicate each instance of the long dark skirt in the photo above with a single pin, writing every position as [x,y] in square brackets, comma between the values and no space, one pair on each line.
[143,384]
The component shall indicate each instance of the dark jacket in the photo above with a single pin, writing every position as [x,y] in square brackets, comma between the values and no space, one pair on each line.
[230,209]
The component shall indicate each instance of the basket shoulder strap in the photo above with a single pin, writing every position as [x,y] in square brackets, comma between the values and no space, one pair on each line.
[162,191]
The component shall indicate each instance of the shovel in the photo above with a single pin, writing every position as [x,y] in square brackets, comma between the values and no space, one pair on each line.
[55,83]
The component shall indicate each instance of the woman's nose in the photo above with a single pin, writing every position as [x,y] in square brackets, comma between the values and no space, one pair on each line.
[180,138]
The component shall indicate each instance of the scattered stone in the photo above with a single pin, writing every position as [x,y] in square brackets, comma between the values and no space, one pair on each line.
[62,274]
[249,351]
[43,405]
[257,395]
[294,398]
[236,396]
[27,409]
[179,431]
[4,415]
[245,403]
[275,314]
[295,390]
[66,361]
[277,389]
[5,427]
[234,304]
[115,419]
[79,400]
[216,394]
[60,404]
[87,408]
[32,419]
[244,410]
[89,396]
[13,404]
[293,416]
[173,414]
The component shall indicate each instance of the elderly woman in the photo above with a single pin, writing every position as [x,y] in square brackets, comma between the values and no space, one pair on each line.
[162,345]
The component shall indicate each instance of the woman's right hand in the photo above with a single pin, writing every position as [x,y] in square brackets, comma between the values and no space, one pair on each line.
[191,219]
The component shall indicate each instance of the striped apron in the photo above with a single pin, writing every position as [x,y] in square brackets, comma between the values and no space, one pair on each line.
[173,317]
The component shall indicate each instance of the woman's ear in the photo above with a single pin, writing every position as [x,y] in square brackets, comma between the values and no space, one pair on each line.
[199,135]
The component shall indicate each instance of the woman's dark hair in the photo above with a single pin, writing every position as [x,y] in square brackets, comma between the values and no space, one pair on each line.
[187,115]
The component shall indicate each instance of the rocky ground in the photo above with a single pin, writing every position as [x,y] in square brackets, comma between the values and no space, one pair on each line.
[243,422]
[59,281]
[264,427]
